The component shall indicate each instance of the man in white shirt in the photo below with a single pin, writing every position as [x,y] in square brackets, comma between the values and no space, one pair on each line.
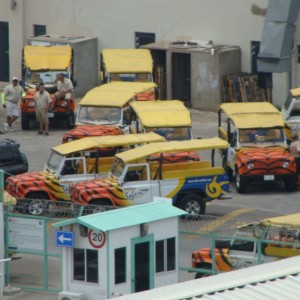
[11,96]
[64,89]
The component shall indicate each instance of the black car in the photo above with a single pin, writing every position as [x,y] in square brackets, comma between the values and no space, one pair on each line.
[12,161]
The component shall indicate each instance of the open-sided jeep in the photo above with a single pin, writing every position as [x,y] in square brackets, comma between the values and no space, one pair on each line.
[258,148]
[105,110]
[266,241]
[69,163]
[134,179]
[43,64]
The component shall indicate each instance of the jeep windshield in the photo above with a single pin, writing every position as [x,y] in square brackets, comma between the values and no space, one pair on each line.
[99,115]
[288,102]
[117,168]
[54,162]
[33,78]
[132,77]
[172,134]
[261,136]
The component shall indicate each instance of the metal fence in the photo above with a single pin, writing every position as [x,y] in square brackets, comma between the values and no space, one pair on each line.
[195,232]
[30,241]
[207,233]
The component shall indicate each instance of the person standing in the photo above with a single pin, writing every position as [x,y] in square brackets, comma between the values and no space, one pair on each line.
[64,89]
[42,103]
[295,151]
[11,96]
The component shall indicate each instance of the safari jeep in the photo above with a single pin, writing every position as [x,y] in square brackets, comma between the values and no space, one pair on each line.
[126,65]
[258,149]
[135,180]
[42,64]
[105,110]
[291,110]
[69,163]
[169,118]
[269,240]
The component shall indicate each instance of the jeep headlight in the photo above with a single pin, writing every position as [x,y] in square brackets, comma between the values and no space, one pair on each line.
[250,166]
[286,164]
[64,104]
[31,104]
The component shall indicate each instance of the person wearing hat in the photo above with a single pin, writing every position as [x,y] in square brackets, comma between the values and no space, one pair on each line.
[11,96]
[295,151]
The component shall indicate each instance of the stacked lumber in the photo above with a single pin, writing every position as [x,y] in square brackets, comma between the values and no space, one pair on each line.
[242,87]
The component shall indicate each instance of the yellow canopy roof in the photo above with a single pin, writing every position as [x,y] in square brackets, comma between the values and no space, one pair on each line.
[258,120]
[115,93]
[248,107]
[166,113]
[174,146]
[290,220]
[295,92]
[107,141]
[127,60]
[47,57]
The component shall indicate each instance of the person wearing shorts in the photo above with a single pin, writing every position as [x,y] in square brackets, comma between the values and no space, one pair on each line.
[11,96]
[42,103]
[64,89]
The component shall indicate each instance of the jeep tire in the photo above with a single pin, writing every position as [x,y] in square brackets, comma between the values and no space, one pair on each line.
[70,120]
[291,184]
[25,122]
[37,203]
[193,204]
[240,183]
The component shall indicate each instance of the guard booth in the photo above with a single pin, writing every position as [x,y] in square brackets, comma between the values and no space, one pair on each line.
[120,251]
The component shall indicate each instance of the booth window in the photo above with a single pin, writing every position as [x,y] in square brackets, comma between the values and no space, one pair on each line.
[120,265]
[165,255]
[85,265]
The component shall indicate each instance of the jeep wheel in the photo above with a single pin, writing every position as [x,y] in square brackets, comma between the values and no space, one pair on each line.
[291,184]
[240,183]
[96,207]
[36,207]
[193,204]
[227,169]
[25,122]
[36,204]
[71,121]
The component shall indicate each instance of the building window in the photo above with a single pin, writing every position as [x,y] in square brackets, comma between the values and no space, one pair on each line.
[165,253]
[120,265]
[85,264]
[144,38]
[39,30]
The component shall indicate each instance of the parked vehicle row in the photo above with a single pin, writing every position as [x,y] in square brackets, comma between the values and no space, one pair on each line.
[252,144]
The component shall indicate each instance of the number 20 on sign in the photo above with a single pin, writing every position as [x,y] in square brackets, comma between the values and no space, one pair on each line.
[97,239]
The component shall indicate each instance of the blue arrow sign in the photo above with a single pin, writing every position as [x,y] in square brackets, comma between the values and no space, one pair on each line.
[64,239]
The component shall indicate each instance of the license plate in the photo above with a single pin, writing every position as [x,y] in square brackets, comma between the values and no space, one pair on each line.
[269,177]
[50,115]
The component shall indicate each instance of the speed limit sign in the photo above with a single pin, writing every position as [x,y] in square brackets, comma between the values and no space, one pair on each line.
[97,239]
